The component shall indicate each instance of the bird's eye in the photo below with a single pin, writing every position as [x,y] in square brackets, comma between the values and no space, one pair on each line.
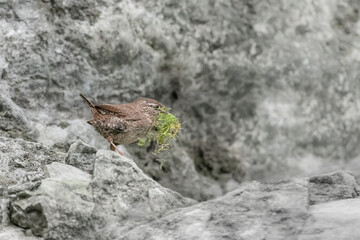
[156,107]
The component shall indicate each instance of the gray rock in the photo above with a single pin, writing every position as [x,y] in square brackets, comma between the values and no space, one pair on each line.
[256,210]
[82,156]
[118,201]
[12,121]
[261,93]
[61,208]
[177,172]
[72,204]
[333,220]
[128,196]
[22,165]
[4,216]
[334,186]
[14,233]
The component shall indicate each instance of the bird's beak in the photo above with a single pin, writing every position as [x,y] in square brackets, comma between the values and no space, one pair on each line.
[162,110]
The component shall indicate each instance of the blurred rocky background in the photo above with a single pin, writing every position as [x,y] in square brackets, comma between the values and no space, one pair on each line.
[266,90]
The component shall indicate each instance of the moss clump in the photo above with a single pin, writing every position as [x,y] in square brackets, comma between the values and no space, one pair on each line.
[165,127]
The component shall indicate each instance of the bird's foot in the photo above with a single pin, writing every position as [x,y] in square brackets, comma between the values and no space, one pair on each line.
[113,147]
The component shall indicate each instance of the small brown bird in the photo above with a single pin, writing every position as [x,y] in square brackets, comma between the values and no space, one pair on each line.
[124,123]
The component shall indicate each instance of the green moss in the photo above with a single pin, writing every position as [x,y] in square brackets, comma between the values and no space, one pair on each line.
[165,127]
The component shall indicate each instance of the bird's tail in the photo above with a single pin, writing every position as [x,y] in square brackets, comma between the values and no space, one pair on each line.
[94,110]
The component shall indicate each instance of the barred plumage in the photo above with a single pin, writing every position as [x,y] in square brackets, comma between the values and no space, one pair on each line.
[124,123]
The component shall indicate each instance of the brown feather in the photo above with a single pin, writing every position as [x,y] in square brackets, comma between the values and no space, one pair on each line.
[94,111]
[123,123]
[118,110]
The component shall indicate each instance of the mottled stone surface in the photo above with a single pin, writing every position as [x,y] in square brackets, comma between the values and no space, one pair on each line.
[22,164]
[118,201]
[127,196]
[330,187]
[61,208]
[333,220]
[15,234]
[82,156]
[265,89]
[73,204]
[263,211]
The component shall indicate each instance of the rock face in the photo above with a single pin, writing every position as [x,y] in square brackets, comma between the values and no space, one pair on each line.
[22,164]
[118,201]
[263,88]
[266,90]
[333,220]
[82,156]
[265,211]
[73,204]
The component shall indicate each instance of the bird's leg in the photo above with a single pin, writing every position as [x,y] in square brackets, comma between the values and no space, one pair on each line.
[113,147]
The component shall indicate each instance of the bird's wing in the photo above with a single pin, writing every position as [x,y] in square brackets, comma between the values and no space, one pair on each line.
[121,111]
[94,111]
[118,125]
[109,123]
[112,109]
